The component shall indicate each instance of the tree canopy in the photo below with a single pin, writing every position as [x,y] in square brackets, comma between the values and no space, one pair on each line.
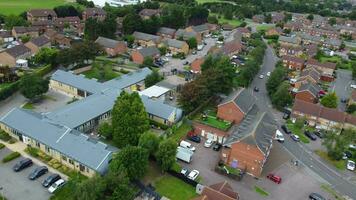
[166,154]
[32,86]
[330,100]
[150,142]
[152,79]
[282,96]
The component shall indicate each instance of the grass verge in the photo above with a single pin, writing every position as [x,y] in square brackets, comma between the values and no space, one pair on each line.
[339,164]
[11,156]
[181,132]
[261,191]
[28,106]
[297,131]
[329,190]
[2,145]
[174,188]
[4,136]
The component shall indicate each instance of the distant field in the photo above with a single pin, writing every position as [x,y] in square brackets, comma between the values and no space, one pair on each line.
[8,7]
[213,1]
[233,22]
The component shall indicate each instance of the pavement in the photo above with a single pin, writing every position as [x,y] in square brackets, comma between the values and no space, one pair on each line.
[53,100]
[16,100]
[341,86]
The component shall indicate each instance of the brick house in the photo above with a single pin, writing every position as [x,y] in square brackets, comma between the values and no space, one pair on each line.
[60,23]
[41,15]
[166,32]
[308,92]
[277,17]
[289,41]
[293,26]
[112,47]
[186,35]
[96,13]
[139,55]
[6,36]
[219,191]
[293,63]
[308,75]
[311,50]
[209,132]
[245,32]
[10,56]
[146,40]
[258,18]
[148,13]
[58,38]
[37,43]
[248,147]
[274,31]
[19,31]
[202,29]
[234,107]
[176,46]
[196,65]
[327,68]
[231,48]
[290,51]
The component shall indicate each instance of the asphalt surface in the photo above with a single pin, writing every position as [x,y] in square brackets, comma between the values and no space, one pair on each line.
[342,86]
[319,168]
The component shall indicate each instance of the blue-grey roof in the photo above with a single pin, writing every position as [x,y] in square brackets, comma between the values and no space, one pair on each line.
[128,79]
[159,109]
[69,142]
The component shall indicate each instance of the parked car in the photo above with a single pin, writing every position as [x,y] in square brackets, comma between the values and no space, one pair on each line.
[55,186]
[194,52]
[350,165]
[22,164]
[217,147]
[285,129]
[39,171]
[50,180]
[279,136]
[193,175]
[256,89]
[268,74]
[184,171]
[185,63]
[310,135]
[274,178]
[343,100]
[261,76]
[352,146]
[208,143]
[295,137]
[346,155]
[187,145]
[319,134]
[286,116]
[316,196]
[195,138]
[353,86]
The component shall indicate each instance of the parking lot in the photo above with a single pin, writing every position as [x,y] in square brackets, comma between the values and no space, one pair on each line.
[16,185]
[297,182]
[341,86]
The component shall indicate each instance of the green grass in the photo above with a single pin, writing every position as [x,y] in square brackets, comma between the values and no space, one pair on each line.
[11,156]
[217,123]
[213,1]
[339,164]
[28,106]
[329,190]
[2,146]
[174,188]
[222,20]
[2,85]
[181,132]
[4,136]
[8,7]
[98,74]
[341,63]
[261,191]
[298,132]
[264,27]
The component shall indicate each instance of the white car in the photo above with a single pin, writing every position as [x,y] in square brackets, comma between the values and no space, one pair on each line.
[353,86]
[208,143]
[184,171]
[352,146]
[58,184]
[279,136]
[165,59]
[193,175]
[261,76]
[295,137]
[350,165]
[268,74]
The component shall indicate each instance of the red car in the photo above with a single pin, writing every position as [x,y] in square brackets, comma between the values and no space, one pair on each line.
[274,178]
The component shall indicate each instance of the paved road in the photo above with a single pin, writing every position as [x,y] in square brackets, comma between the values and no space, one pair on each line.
[321,170]
[342,86]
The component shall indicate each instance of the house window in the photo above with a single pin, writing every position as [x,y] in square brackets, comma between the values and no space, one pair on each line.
[47,149]
[64,158]
[81,168]
[38,144]
[71,161]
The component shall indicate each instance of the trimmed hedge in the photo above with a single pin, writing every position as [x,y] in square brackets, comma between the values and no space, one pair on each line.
[2,145]
[9,90]
[45,70]
[4,136]
[11,156]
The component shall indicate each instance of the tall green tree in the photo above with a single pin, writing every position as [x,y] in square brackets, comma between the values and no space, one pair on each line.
[173,16]
[132,159]
[131,23]
[166,154]
[282,96]
[150,142]
[330,100]
[152,79]
[192,43]
[33,86]
[14,20]
[129,119]
[46,56]
[276,78]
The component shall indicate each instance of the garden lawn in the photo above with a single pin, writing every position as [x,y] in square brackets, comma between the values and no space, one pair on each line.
[214,122]
[339,164]
[28,106]
[298,132]
[181,132]
[174,188]
[264,27]
[96,74]
[232,22]
[16,7]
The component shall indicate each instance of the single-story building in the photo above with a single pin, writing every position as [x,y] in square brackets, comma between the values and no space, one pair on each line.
[138,56]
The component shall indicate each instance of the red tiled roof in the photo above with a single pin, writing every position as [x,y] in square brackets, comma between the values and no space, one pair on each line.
[332,114]
[220,191]
[314,62]
[293,59]
[195,65]
[306,107]
[232,46]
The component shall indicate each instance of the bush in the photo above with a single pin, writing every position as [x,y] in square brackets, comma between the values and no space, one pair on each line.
[11,156]
[32,151]
[162,126]
[2,145]
[4,136]
[12,141]
[9,90]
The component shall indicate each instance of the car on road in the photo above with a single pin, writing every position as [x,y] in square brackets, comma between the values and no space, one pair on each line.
[193,175]
[186,63]
[353,86]
[295,137]
[217,147]
[310,135]
[274,178]
[285,129]
[256,89]
[261,76]
[22,164]
[55,186]
[194,138]
[184,171]
[343,100]
[50,180]
[268,74]
[279,136]
[350,165]
[316,196]
[208,143]
[194,52]
[39,171]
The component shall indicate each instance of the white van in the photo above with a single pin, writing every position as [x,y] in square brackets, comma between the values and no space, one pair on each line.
[279,136]
[187,145]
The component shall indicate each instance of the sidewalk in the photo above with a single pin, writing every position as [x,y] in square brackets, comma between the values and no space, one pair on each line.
[20,147]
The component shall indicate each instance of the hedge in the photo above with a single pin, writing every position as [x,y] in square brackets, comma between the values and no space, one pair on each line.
[9,90]
[45,70]
[157,124]
[4,136]
[2,145]
[11,156]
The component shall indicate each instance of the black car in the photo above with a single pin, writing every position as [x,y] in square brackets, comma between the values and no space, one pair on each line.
[217,147]
[285,129]
[50,180]
[39,171]
[319,134]
[195,138]
[22,164]
[256,89]
[316,196]
[310,135]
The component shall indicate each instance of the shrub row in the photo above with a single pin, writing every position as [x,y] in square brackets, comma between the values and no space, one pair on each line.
[11,156]
[4,136]
[2,145]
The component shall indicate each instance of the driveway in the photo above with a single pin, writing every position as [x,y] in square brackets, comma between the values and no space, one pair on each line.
[16,186]
[342,86]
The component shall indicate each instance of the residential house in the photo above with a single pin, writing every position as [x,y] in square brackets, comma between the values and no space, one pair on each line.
[307,39]
[346,30]
[176,46]
[309,74]
[274,31]
[96,13]
[294,63]
[289,41]
[308,92]
[182,34]
[219,191]
[245,32]
[195,66]
[327,68]
[42,26]
[277,17]
[319,21]
[11,55]
[138,56]
[146,40]
[57,38]
[41,15]
[248,147]
[148,13]
[311,50]
[202,29]
[6,36]
[166,32]
[320,32]
[258,18]
[227,27]
[60,23]
[232,48]
[213,133]
[112,47]
[293,26]
[19,31]
[333,44]
[37,43]
[290,51]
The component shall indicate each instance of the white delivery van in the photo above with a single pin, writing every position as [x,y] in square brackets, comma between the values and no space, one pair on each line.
[184,154]
[279,136]
[187,145]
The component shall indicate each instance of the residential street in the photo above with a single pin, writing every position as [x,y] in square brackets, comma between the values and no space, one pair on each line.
[319,168]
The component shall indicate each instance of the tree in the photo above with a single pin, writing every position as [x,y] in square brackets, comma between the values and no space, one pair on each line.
[173,16]
[351,108]
[213,19]
[129,119]
[66,11]
[228,13]
[147,62]
[13,20]
[282,96]
[130,39]
[150,142]
[32,86]
[95,28]
[166,154]
[268,18]
[193,94]
[330,100]
[132,159]
[276,78]
[150,25]
[192,43]
[310,17]
[332,21]
[105,129]
[353,70]
[46,56]
[162,50]
[336,143]
[25,38]
[131,23]
[197,14]
[152,78]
